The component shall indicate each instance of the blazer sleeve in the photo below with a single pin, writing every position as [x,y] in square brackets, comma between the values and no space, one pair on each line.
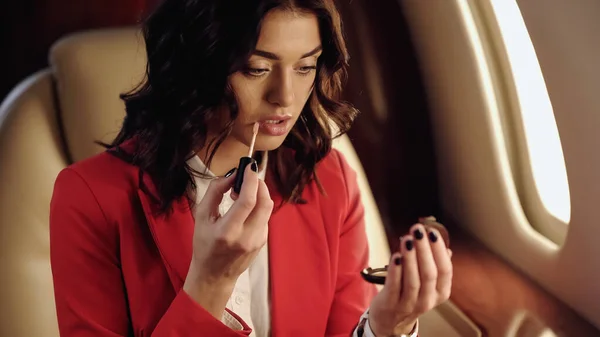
[88,281]
[353,294]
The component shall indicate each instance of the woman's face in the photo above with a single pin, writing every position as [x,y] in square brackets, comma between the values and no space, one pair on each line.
[278,78]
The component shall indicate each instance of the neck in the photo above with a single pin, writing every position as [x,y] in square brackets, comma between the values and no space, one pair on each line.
[227,156]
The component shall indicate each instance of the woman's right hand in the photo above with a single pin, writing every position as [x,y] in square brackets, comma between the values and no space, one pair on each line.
[225,245]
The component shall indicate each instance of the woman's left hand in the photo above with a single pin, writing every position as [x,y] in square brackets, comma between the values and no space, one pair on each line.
[419,279]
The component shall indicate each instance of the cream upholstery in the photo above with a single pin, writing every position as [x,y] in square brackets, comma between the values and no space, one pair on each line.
[77,97]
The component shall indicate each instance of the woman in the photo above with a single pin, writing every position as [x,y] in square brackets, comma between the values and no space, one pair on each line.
[148,240]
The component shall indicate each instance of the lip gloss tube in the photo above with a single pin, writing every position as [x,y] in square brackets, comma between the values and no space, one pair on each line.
[245,161]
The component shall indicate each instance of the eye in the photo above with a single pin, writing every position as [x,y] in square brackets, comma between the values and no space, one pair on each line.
[255,72]
[304,71]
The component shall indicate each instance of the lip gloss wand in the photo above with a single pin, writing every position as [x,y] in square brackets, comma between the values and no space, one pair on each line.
[245,161]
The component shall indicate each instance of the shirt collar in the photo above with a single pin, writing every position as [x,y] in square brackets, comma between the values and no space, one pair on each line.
[202,182]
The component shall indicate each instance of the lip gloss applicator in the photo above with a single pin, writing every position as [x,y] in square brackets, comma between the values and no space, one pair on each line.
[245,161]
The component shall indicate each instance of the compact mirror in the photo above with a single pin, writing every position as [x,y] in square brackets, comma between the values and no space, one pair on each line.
[378,275]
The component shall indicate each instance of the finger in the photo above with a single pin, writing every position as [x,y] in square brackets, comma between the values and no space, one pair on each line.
[246,201]
[428,272]
[411,282]
[393,280]
[431,222]
[442,257]
[257,221]
[209,205]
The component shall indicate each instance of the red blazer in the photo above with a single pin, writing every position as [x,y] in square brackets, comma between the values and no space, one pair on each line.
[119,269]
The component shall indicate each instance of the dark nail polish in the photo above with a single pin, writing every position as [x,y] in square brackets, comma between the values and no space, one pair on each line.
[433,237]
[409,245]
[254,167]
[228,174]
[418,234]
[398,261]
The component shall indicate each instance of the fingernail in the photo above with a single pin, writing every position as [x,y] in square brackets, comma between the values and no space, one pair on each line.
[418,234]
[432,237]
[398,260]
[254,167]
[409,245]
[228,174]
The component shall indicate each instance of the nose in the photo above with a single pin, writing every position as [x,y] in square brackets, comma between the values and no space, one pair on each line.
[282,90]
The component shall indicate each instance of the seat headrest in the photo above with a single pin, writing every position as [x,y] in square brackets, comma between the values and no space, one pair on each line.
[91,70]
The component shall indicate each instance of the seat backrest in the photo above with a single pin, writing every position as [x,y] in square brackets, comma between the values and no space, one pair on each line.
[51,119]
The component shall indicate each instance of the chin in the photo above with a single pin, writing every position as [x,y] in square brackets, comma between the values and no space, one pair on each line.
[264,142]
[268,143]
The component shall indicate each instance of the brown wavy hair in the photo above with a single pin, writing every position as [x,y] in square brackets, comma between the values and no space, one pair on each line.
[192,48]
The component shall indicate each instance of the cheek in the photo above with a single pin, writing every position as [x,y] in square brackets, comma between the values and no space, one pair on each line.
[304,89]
[248,95]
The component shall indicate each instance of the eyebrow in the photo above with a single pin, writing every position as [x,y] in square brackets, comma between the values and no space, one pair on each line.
[276,57]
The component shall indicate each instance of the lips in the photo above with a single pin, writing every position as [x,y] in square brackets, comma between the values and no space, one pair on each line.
[275,125]
[274,119]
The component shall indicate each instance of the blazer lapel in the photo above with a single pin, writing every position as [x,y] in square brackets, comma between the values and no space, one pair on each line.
[299,273]
[173,234]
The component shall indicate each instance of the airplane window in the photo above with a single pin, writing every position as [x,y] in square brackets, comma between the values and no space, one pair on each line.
[544,149]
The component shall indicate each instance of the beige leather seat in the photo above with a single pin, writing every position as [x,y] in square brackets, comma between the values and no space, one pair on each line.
[50,120]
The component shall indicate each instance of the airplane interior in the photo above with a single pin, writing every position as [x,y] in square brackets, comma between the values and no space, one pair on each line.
[481,113]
